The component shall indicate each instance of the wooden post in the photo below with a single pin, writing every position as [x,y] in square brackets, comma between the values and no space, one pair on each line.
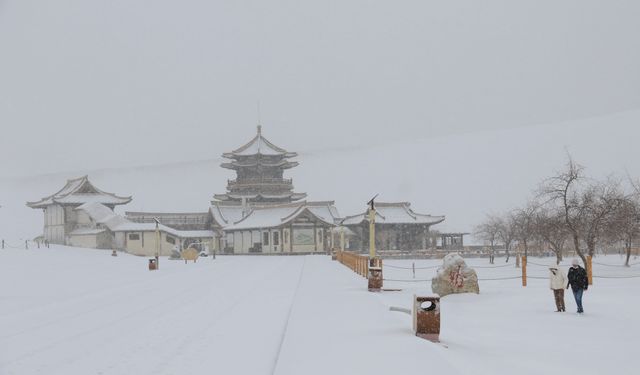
[589,269]
[3,244]
[517,260]
[524,271]
[413,268]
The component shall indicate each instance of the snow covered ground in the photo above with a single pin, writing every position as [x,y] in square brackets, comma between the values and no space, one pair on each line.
[79,311]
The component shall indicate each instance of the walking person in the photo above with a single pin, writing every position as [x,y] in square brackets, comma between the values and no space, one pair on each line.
[557,282]
[578,281]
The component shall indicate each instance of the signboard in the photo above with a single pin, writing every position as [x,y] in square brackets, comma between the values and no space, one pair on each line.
[303,236]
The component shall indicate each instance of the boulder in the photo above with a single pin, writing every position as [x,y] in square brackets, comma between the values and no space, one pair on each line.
[454,276]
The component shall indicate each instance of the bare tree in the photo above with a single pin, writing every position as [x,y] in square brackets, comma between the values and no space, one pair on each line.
[625,224]
[507,233]
[550,227]
[596,209]
[561,189]
[524,225]
[488,231]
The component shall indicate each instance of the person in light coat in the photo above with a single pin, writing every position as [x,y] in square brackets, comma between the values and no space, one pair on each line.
[557,283]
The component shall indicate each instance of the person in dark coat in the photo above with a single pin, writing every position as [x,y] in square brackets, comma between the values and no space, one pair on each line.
[578,281]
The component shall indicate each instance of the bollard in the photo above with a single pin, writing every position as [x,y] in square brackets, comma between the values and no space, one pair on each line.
[152,265]
[374,274]
[524,271]
[426,317]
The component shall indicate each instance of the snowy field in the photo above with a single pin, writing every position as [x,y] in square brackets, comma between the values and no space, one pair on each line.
[78,311]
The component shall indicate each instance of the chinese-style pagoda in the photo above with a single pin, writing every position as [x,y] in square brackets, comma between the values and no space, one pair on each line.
[260,167]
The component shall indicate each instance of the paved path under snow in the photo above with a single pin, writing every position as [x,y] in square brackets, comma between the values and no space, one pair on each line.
[245,315]
[78,311]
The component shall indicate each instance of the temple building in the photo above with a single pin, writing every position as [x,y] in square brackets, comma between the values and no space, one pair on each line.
[398,227]
[82,215]
[260,213]
[60,214]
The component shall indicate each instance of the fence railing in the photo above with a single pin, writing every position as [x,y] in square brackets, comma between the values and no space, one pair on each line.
[358,263]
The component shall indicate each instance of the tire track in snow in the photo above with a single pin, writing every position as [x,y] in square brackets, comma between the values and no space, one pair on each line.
[286,324]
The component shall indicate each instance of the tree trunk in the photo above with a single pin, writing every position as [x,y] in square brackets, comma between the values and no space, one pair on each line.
[628,250]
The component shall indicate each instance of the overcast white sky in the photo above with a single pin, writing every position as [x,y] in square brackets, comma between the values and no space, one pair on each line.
[88,84]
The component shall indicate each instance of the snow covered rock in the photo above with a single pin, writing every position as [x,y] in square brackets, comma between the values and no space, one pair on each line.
[454,276]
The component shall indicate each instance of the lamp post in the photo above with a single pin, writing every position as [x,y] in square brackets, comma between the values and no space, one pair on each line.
[374,274]
[157,242]
[372,228]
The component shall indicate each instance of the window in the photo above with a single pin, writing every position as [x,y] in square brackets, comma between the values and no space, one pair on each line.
[276,238]
[265,239]
[134,237]
[170,240]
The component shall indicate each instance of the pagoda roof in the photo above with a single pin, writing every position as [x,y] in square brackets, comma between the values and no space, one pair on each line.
[80,191]
[259,145]
[284,164]
[394,213]
[238,197]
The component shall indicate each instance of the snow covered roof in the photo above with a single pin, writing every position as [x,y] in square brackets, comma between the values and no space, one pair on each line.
[261,217]
[226,214]
[79,191]
[102,214]
[86,231]
[283,164]
[292,196]
[150,227]
[259,145]
[394,213]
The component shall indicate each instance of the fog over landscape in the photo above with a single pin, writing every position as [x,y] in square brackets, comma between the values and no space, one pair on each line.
[186,187]
[460,108]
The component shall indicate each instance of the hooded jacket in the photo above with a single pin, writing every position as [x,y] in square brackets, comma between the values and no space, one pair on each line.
[578,278]
[557,279]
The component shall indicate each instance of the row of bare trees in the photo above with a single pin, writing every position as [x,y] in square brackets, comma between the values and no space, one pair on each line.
[570,209]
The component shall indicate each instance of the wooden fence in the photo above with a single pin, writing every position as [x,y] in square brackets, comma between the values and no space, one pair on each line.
[358,263]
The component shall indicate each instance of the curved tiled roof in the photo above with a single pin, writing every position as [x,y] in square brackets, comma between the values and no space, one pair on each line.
[79,191]
[259,145]
[394,213]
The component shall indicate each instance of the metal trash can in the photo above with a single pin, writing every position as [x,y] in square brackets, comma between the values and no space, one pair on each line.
[152,265]
[426,317]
